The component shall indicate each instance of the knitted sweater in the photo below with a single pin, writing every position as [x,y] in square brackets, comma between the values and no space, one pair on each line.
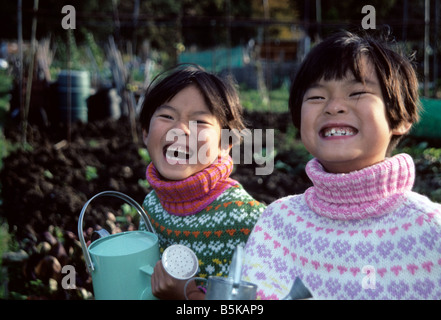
[361,235]
[212,233]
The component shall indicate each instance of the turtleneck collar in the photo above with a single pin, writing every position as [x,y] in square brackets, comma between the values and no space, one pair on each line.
[193,194]
[369,192]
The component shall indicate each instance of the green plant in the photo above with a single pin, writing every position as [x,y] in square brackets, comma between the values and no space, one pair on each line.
[144,183]
[144,154]
[96,51]
[5,87]
[128,217]
[93,143]
[4,245]
[127,209]
[91,173]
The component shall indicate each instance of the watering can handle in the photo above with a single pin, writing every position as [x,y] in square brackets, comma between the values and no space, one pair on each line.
[110,194]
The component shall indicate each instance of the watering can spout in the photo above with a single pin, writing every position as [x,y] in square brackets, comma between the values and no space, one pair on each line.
[298,291]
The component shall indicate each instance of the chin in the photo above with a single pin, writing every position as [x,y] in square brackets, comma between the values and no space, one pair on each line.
[179,172]
[175,176]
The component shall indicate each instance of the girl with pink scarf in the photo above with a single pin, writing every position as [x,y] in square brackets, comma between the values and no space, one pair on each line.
[359,232]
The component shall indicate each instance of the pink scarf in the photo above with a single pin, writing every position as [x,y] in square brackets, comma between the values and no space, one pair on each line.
[190,196]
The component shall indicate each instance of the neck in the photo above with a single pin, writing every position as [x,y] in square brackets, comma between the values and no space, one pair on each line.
[348,167]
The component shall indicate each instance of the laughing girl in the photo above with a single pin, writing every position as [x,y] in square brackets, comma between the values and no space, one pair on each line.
[194,201]
[359,232]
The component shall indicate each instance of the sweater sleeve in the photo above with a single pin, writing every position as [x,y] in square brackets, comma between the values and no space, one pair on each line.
[263,260]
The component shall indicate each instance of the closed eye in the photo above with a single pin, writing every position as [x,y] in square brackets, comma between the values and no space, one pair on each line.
[314,98]
[358,93]
[203,121]
[165,116]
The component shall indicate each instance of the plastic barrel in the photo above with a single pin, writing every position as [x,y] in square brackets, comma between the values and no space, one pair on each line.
[429,125]
[79,92]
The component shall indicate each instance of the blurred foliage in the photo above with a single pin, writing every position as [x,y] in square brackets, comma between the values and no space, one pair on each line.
[144,154]
[205,23]
[252,100]
[5,238]
[5,87]
[427,166]
[91,173]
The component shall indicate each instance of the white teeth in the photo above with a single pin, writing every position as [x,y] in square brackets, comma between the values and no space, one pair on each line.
[177,153]
[334,132]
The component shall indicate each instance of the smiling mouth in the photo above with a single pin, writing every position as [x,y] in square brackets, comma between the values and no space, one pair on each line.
[177,153]
[338,132]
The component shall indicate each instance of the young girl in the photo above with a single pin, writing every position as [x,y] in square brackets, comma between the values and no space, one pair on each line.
[359,232]
[194,202]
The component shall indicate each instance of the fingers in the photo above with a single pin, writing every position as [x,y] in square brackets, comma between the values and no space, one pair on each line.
[165,286]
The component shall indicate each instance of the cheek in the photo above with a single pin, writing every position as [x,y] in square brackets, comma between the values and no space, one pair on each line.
[379,123]
[306,127]
[152,133]
[209,139]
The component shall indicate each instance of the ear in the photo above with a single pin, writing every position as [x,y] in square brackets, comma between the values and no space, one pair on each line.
[144,136]
[402,128]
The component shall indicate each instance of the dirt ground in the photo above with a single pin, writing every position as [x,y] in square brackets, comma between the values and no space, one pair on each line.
[44,190]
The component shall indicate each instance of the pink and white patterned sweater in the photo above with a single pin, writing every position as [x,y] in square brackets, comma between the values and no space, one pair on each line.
[361,235]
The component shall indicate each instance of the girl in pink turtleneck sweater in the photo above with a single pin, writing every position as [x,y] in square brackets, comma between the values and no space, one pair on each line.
[359,232]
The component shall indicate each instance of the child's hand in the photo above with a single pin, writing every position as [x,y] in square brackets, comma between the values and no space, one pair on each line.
[164,286]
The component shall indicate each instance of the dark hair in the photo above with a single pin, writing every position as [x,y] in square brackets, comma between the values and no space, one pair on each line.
[220,95]
[343,52]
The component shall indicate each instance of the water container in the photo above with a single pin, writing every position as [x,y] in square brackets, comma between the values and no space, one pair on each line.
[121,264]
[79,92]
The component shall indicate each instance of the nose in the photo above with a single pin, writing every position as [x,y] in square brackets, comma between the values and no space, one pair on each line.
[335,106]
[181,128]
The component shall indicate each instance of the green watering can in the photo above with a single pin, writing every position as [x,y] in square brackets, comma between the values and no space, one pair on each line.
[121,264]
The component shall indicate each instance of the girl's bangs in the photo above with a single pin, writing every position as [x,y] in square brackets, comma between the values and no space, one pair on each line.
[336,64]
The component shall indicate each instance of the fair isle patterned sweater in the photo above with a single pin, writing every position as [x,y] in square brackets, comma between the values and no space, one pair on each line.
[362,235]
[212,233]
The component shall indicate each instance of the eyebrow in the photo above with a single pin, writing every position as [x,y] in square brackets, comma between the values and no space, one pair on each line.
[173,109]
[166,106]
[367,81]
[350,81]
